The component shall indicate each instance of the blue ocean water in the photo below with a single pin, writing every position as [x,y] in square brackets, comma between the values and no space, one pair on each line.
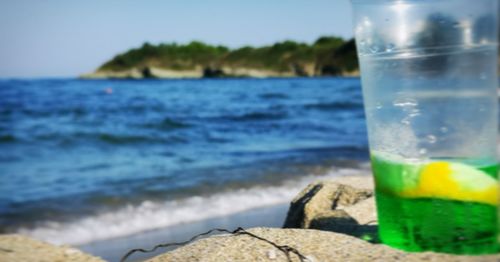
[114,157]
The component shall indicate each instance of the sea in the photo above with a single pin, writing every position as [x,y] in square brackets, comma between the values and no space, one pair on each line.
[89,160]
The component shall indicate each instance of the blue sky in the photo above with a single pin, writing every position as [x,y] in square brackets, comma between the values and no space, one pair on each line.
[64,38]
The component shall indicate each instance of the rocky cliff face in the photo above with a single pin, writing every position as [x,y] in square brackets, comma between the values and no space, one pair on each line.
[307,70]
[144,72]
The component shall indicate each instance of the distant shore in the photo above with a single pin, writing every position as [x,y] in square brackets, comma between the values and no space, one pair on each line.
[327,56]
[159,73]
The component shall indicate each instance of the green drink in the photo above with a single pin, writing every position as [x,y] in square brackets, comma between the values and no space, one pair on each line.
[429,72]
[438,205]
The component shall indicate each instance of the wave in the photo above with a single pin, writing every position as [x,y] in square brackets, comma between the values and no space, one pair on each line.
[94,167]
[104,137]
[327,106]
[52,111]
[167,124]
[151,215]
[6,111]
[7,138]
[273,96]
[141,104]
[256,116]
[123,139]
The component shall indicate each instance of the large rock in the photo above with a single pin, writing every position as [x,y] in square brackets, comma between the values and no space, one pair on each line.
[346,206]
[313,244]
[349,208]
[17,248]
[319,206]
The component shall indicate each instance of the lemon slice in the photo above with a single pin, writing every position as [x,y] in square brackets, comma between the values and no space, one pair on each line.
[453,181]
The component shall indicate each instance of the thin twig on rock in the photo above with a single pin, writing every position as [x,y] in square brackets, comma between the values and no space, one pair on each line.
[239,231]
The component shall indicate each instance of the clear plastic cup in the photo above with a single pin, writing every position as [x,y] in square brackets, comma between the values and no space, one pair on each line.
[429,77]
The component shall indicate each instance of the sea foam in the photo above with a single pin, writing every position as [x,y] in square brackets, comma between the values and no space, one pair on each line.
[152,215]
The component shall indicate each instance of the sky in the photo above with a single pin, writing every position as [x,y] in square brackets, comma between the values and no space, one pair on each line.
[67,38]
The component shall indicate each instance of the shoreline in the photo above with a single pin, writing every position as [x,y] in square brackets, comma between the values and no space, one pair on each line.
[113,249]
[95,76]
[151,215]
[270,216]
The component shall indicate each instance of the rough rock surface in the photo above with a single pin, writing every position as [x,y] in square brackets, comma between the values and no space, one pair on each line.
[319,205]
[313,244]
[17,248]
[354,215]
[145,72]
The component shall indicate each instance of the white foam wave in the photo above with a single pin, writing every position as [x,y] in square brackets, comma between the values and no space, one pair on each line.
[151,215]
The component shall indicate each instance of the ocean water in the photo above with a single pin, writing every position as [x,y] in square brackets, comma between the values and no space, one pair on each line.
[82,161]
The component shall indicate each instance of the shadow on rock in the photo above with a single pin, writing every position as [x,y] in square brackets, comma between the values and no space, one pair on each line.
[321,206]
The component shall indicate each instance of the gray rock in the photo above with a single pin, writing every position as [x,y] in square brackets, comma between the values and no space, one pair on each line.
[353,210]
[334,220]
[17,248]
[316,206]
[364,211]
[315,245]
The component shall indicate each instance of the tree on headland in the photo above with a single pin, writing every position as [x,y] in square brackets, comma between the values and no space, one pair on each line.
[177,57]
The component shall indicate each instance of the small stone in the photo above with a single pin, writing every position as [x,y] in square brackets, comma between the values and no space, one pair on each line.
[271,254]
[72,251]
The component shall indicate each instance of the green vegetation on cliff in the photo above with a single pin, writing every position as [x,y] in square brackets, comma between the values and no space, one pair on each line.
[326,56]
[174,56]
